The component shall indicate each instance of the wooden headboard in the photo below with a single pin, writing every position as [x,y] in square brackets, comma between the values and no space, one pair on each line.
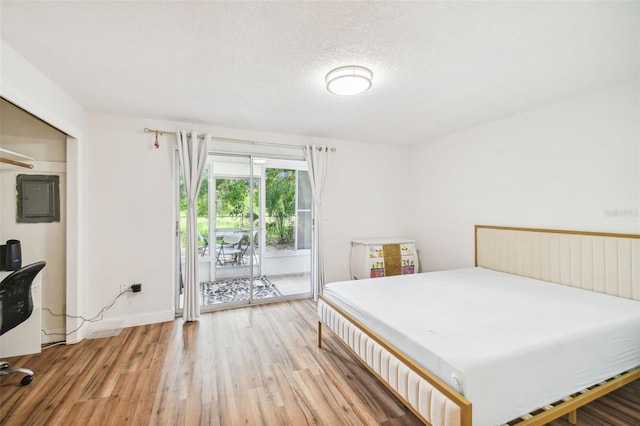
[606,263]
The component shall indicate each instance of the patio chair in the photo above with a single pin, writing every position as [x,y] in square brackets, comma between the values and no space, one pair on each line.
[227,251]
[203,247]
[244,245]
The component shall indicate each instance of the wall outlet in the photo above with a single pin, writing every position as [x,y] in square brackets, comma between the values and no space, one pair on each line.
[136,288]
[124,287]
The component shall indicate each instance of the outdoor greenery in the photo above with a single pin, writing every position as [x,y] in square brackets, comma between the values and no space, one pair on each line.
[203,196]
[232,205]
[280,204]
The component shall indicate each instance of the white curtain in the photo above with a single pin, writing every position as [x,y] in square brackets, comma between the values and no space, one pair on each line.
[317,162]
[192,152]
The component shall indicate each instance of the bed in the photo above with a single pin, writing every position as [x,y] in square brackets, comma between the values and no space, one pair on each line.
[501,342]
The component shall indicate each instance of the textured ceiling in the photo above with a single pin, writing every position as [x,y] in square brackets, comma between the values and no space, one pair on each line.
[438,66]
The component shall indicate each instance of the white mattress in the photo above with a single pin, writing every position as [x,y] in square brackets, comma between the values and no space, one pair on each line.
[507,343]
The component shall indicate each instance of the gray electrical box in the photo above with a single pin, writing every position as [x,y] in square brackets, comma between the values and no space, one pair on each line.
[38,198]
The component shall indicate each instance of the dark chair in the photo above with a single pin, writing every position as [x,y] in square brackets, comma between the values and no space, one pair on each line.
[244,245]
[16,306]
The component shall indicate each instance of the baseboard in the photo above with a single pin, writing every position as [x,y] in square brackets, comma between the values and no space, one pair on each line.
[132,320]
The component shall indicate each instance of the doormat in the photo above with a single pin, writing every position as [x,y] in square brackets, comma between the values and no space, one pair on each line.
[236,289]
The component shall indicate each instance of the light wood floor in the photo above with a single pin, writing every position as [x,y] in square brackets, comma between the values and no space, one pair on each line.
[248,366]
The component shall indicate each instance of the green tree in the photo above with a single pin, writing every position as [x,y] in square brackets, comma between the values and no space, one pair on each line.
[280,203]
[203,196]
[233,198]
[202,202]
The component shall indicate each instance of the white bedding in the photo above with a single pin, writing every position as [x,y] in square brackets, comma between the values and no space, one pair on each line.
[509,344]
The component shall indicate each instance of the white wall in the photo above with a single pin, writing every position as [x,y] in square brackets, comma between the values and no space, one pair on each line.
[368,195]
[571,165]
[130,222]
[131,208]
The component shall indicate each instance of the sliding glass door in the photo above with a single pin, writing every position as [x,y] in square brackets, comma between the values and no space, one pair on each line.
[254,230]
[234,273]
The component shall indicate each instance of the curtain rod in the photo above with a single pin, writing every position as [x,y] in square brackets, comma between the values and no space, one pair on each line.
[250,142]
[16,163]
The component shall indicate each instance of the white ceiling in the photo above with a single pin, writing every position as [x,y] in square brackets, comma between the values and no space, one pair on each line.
[438,66]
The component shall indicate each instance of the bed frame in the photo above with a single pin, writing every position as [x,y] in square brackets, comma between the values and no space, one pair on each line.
[605,263]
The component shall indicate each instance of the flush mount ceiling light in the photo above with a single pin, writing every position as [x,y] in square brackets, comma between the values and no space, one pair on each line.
[349,80]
